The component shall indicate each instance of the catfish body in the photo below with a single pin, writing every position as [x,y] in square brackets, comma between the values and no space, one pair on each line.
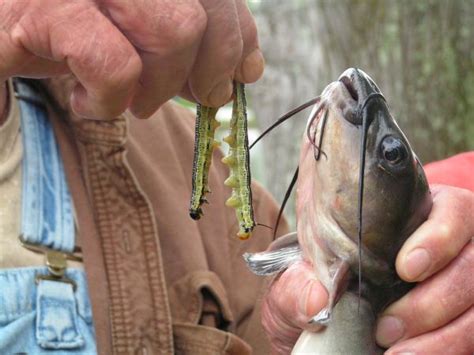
[396,194]
[354,151]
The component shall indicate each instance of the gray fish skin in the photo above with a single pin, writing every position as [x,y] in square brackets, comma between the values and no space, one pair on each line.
[350,331]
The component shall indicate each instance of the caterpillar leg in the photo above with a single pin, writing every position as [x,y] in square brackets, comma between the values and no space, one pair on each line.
[238,161]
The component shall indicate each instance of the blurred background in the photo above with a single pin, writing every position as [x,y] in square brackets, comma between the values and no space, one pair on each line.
[420,53]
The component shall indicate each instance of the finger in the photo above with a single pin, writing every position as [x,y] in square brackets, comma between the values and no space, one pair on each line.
[186,93]
[220,53]
[167,35]
[15,60]
[437,241]
[431,304]
[292,300]
[454,339]
[250,68]
[102,59]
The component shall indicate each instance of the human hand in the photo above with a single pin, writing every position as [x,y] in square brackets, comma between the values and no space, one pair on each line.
[440,307]
[437,315]
[132,54]
[293,298]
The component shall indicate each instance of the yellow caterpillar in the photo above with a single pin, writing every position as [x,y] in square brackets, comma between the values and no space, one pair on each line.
[239,164]
[237,160]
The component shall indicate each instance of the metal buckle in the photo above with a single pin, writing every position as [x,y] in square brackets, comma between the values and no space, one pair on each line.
[56,261]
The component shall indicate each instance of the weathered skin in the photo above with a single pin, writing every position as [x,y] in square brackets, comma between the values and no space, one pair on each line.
[396,200]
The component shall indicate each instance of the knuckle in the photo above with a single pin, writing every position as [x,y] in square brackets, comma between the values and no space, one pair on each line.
[178,29]
[280,332]
[466,259]
[231,52]
[265,315]
[445,230]
[249,31]
[117,73]
[188,26]
[422,314]
[270,322]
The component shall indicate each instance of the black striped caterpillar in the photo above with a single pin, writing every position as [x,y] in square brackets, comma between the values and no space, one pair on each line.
[204,144]
[237,160]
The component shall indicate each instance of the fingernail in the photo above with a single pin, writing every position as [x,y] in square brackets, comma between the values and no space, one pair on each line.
[221,93]
[389,330]
[306,298]
[416,263]
[314,298]
[253,65]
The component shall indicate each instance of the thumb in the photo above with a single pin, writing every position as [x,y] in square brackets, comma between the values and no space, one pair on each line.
[292,300]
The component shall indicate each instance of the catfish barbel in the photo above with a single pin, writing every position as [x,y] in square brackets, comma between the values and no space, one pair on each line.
[361,192]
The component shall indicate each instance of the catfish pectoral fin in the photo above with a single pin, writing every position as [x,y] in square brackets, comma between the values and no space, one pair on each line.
[275,260]
[336,288]
[287,240]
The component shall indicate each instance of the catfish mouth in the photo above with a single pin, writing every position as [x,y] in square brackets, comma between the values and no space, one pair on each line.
[350,87]
[361,90]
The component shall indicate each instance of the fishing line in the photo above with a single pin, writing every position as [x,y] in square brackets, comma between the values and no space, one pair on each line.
[285,117]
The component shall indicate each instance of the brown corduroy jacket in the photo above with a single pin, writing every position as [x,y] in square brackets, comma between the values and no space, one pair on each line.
[160,283]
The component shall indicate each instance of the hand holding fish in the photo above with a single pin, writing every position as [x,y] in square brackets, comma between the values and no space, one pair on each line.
[439,307]
[132,54]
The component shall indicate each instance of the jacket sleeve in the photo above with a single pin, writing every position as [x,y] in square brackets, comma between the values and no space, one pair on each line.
[248,326]
[456,171]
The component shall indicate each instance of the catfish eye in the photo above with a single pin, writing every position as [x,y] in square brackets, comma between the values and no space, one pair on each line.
[393,150]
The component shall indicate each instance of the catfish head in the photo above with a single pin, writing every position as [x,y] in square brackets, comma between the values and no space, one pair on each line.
[357,170]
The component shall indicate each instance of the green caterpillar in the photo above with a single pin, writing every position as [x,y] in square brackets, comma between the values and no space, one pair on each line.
[238,161]
[204,144]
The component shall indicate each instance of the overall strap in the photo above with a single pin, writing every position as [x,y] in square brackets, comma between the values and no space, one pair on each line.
[47,212]
[47,225]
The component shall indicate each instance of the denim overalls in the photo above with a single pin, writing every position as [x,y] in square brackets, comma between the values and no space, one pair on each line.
[44,310]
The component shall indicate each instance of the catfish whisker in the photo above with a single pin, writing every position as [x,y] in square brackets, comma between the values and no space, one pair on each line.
[285,117]
[264,225]
[317,147]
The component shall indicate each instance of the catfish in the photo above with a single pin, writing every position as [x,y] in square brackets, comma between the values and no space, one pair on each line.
[361,192]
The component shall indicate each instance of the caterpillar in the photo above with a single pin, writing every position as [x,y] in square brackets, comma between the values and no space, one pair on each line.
[204,145]
[238,161]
